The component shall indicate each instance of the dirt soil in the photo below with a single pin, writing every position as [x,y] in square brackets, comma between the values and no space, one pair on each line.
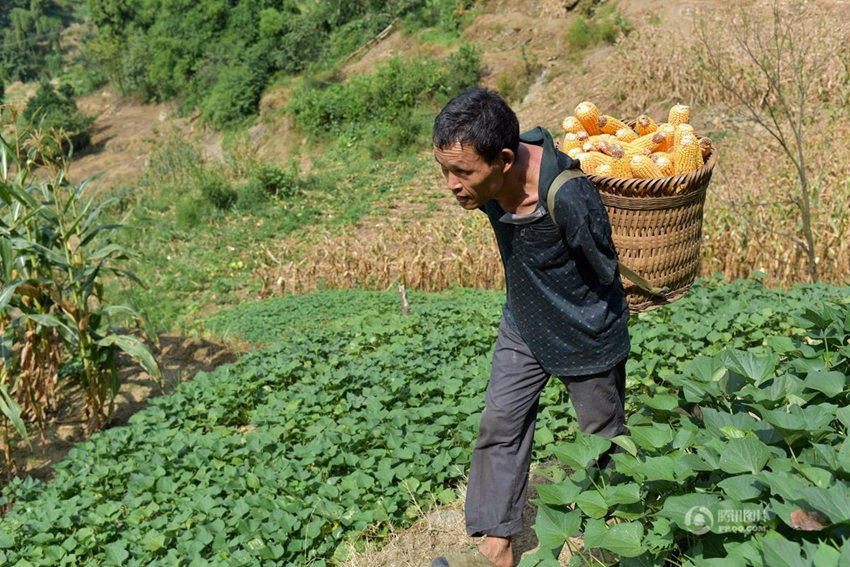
[180,359]
[122,135]
[442,530]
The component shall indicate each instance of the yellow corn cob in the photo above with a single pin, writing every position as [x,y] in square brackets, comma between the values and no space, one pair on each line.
[705,147]
[645,125]
[598,141]
[621,168]
[604,169]
[588,114]
[571,124]
[591,160]
[589,147]
[644,168]
[651,142]
[609,125]
[664,137]
[613,149]
[631,149]
[687,155]
[679,114]
[680,131]
[569,142]
[574,153]
[626,134]
[602,138]
[664,163]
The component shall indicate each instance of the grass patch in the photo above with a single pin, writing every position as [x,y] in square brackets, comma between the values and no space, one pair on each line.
[595,26]
[201,227]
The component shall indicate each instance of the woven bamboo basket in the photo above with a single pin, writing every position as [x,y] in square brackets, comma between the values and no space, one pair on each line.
[656,225]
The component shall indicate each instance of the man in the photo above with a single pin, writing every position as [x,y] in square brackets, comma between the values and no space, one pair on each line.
[565,312]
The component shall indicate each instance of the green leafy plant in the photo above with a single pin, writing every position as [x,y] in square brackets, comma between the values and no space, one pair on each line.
[741,458]
[602,24]
[353,417]
[216,190]
[55,109]
[385,110]
[55,252]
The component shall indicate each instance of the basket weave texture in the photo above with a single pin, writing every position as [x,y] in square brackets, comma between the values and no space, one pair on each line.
[656,225]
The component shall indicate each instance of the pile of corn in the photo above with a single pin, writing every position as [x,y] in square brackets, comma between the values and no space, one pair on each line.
[607,146]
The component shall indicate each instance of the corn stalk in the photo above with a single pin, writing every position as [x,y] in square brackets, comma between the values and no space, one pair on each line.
[54,255]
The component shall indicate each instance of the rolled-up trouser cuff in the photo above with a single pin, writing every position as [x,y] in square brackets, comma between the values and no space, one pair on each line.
[502,530]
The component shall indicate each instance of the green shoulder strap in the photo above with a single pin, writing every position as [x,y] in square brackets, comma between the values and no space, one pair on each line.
[562,178]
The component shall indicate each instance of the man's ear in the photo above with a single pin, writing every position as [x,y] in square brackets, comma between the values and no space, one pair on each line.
[508,158]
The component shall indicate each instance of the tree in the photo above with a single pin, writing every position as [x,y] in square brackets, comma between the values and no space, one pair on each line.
[767,69]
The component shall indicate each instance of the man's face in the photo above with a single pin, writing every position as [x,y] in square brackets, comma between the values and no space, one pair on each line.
[470,178]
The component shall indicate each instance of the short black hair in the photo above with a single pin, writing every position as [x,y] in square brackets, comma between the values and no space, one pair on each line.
[479,117]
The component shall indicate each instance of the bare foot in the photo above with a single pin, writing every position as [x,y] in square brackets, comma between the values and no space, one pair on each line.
[498,550]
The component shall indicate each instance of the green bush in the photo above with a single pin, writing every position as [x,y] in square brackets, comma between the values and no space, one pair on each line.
[52,108]
[216,190]
[29,37]
[234,96]
[384,107]
[191,210]
[278,182]
[218,55]
[600,25]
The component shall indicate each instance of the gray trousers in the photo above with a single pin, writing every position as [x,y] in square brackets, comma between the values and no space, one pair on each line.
[498,473]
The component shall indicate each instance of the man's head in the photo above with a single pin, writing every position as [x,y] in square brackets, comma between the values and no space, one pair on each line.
[476,138]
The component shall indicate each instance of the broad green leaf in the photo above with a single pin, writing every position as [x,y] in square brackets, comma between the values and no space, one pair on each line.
[818,476]
[584,449]
[809,419]
[621,494]
[780,552]
[706,369]
[664,402]
[592,503]
[626,443]
[153,541]
[564,492]
[553,526]
[624,539]
[693,512]
[824,555]
[116,553]
[651,437]
[746,454]
[782,387]
[742,487]
[843,415]
[830,383]
[780,344]
[755,368]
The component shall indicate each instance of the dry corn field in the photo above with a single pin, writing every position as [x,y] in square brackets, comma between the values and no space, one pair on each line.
[750,221]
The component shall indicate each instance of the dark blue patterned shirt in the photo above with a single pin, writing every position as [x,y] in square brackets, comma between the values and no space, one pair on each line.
[564,295]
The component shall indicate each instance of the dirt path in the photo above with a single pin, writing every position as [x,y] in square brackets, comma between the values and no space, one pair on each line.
[180,359]
[443,530]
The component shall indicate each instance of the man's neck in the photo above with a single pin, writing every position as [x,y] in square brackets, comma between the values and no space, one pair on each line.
[520,194]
